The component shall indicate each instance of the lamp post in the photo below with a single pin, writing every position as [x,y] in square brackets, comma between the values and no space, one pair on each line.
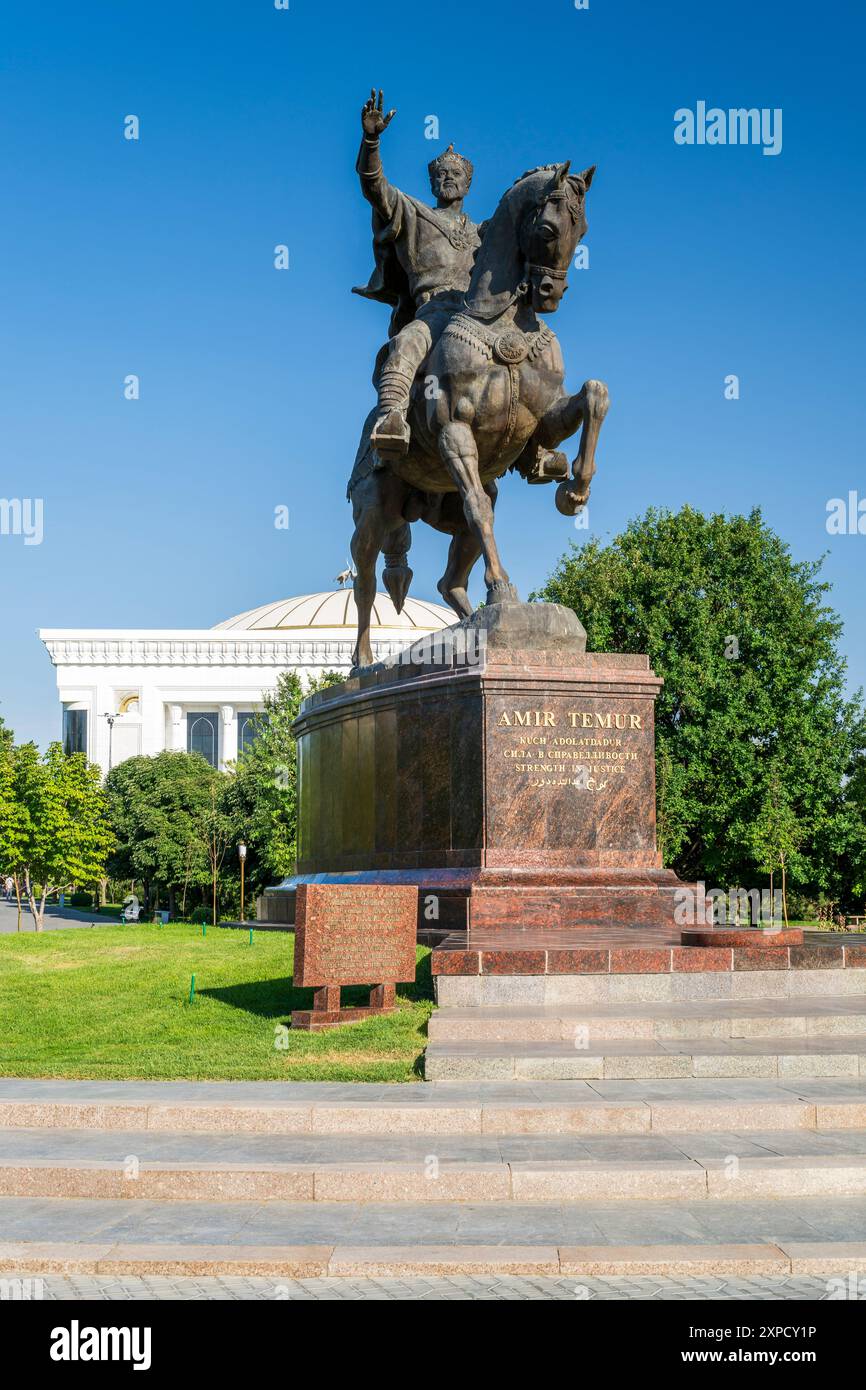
[242,855]
[111,718]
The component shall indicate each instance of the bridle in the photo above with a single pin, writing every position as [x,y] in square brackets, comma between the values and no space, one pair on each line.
[546,270]
[531,267]
[557,196]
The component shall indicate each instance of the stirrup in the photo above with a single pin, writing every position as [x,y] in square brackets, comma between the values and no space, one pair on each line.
[391,433]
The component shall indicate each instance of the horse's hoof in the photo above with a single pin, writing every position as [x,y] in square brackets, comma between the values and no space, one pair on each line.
[569,500]
[500,590]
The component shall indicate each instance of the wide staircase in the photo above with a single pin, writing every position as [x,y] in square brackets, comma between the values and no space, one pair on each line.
[592,1107]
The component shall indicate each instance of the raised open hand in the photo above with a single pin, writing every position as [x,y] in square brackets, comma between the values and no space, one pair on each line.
[373,119]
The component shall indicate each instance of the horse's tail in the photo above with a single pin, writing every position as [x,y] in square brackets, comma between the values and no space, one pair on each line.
[397,576]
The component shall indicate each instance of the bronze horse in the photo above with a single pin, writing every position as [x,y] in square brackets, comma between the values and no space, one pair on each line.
[489,398]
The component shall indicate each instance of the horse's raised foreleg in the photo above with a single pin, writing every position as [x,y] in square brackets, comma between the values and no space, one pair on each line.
[460,456]
[587,409]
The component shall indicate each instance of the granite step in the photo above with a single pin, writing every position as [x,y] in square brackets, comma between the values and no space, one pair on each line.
[825,1236]
[639,1058]
[633,951]
[751,980]
[707,1018]
[435,1108]
[116,1165]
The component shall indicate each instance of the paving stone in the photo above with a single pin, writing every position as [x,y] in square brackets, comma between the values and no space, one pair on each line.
[435,1289]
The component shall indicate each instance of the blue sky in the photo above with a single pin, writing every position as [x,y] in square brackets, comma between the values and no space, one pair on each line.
[155,257]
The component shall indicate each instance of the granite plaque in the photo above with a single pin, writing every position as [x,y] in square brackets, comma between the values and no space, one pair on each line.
[347,934]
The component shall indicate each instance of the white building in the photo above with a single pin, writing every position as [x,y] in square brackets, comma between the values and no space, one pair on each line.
[142,691]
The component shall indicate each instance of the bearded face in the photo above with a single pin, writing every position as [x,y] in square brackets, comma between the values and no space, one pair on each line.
[450,181]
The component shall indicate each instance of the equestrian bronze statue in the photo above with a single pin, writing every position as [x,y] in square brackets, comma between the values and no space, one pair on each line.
[470,383]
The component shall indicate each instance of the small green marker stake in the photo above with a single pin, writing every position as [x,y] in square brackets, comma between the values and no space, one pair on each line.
[192,989]
[251,936]
[204,928]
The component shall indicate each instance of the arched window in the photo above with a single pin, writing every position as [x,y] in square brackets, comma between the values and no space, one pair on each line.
[203,736]
[246,730]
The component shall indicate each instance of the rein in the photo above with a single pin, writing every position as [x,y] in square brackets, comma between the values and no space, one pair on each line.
[466,308]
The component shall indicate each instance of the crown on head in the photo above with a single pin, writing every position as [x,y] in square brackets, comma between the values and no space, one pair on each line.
[449,156]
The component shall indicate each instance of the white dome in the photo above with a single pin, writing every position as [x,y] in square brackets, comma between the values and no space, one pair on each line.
[336,611]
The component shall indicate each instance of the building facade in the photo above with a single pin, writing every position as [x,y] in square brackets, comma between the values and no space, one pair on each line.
[128,692]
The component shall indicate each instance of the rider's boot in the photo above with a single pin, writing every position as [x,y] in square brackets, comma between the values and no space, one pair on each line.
[390,435]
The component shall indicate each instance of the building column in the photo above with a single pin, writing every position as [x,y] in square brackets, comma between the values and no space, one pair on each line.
[177,738]
[152,711]
[228,749]
[103,704]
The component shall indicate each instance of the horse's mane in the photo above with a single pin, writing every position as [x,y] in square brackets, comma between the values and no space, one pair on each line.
[539,169]
[500,264]
[575,182]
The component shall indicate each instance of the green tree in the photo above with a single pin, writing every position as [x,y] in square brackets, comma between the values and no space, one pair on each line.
[776,835]
[63,823]
[748,648]
[853,885]
[261,799]
[214,835]
[159,808]
[13,816]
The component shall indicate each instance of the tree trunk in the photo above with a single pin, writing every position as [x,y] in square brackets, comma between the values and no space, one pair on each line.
[772,902]
[37,911]
[784,894]
[103,892]
[17,883]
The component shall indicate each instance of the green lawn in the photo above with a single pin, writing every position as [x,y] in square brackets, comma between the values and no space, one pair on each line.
[113,1003]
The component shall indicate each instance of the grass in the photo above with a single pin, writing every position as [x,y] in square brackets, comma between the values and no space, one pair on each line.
[112,1003]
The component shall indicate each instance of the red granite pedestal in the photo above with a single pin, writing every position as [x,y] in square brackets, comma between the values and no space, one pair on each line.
[502,770]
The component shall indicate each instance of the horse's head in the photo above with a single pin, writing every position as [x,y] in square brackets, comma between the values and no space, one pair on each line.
[552,227]
[528,244]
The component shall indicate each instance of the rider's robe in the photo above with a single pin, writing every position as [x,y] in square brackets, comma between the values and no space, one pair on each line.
[419,251]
